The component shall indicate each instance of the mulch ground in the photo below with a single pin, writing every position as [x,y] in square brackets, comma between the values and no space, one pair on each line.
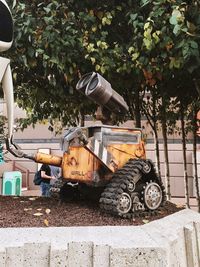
[47,212]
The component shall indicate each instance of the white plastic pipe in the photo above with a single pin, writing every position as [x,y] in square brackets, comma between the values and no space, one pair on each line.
[3,1]
[7,84]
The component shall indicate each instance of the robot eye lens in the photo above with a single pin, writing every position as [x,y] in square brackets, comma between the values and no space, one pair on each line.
[6,24]
[93,84]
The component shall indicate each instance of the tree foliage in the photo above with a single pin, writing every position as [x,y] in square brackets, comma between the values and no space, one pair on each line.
[137,45]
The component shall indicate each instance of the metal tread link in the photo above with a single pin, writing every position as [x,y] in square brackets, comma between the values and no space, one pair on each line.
[55,188]
[130,172]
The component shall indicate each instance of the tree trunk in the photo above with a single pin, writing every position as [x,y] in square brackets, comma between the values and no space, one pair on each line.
[187,199]
[156,143]
[156,140]
[167,171]
[152,120]
[165,144]
[82,119]
[196,180]
[137,111]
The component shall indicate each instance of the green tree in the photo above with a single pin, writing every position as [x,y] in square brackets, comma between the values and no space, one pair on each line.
[47,61]
[57,42]
[171,45]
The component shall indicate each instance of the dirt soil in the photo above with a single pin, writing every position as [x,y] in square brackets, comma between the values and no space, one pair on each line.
[47,212]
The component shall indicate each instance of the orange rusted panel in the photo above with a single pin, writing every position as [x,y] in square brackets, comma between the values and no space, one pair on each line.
[123,152]
[79,165]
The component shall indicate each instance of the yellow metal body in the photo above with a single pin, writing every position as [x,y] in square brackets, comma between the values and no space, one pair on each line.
[80,164]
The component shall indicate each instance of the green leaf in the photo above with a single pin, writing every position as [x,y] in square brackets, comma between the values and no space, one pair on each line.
[180,44]
[133,16]
[173,20]
[176,16]
[193,44]
[144,2]
[47,9]
[185,50]
[176,29]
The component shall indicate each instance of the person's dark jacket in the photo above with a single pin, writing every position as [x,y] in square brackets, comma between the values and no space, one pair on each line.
[47,171]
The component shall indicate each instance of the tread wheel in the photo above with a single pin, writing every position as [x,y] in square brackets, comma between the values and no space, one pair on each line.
[130,186]
[147,167]
[124,203]
[152,196]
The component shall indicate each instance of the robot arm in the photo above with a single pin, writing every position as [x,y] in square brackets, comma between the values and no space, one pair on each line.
[7,85]
[6,79]
[6,39]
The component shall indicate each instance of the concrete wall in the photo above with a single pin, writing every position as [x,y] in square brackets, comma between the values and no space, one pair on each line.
[171,241]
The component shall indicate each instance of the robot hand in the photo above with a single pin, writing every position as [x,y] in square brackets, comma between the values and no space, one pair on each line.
[14,148]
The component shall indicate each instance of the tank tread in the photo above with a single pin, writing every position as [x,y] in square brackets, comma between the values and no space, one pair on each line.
[55,188]
[126,188]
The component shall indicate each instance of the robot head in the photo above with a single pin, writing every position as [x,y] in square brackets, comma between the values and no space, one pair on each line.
[6,26]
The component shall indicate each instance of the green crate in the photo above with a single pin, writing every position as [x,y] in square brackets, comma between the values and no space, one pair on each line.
[12,183]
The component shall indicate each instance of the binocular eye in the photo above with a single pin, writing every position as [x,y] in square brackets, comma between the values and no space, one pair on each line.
[6,26]
[83,82]
[95,87]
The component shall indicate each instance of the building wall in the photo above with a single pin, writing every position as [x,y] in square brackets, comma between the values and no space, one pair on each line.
[33,139]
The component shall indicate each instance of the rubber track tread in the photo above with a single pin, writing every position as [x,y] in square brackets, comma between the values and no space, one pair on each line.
[122,177]
[55,193]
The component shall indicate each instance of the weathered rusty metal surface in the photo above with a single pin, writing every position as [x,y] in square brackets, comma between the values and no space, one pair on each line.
[79,165]
[84,164]
[121,153]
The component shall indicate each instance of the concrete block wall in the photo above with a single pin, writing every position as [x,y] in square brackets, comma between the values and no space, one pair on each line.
[171,241]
